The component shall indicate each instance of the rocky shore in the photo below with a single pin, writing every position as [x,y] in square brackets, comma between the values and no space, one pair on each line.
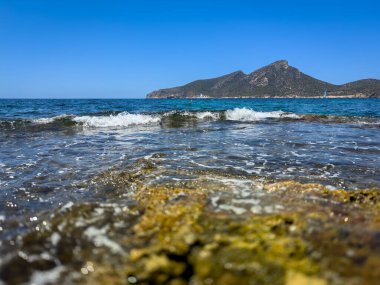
[205,231]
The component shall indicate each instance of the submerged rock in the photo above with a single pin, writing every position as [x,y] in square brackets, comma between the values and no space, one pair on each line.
[180,234]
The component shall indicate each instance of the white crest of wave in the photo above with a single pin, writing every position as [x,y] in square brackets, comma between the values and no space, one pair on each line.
[246,114]
[44,121]
[200,115]
[123,119]
[207,115]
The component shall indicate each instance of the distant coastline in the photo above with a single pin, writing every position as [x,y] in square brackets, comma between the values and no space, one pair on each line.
[277,80]
[353,96]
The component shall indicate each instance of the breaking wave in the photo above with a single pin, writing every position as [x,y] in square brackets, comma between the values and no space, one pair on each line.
[123,119]
[44,121]
[113,120]
[201,115]
[245,114]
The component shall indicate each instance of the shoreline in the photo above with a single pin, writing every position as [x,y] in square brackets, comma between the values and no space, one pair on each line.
[275,97]
[207,232]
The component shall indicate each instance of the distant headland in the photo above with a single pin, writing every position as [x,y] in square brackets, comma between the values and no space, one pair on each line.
[277,80]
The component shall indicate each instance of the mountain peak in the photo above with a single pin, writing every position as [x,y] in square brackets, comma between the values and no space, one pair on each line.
[280,64]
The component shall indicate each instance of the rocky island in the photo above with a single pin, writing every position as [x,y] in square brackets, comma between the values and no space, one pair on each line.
[277,80]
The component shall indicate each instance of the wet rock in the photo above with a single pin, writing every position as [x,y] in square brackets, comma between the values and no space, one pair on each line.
[178,234]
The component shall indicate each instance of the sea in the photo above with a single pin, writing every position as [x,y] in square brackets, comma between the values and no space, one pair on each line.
[53,153]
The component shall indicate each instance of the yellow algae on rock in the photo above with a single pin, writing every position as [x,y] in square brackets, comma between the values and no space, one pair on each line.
[315,239]
[177,235]
[296,278]
[257,249]
[170,217]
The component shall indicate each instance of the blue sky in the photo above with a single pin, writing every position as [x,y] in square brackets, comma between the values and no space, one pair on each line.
[125,49]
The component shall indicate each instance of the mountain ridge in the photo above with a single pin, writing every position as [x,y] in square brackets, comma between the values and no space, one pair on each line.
[276,80]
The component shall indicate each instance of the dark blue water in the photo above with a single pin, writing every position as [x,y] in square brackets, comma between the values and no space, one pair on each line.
[51,150]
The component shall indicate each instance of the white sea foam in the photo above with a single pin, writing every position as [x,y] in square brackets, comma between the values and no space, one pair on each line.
[123,119]
[376,123]
[201,115]
[46,277]
[246,114]
[236,210]
[67,206]
[207,115]
[100,238]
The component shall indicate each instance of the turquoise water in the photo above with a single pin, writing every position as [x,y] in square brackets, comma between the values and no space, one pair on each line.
[11,109]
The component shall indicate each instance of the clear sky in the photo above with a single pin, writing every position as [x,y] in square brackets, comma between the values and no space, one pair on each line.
[125,49]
